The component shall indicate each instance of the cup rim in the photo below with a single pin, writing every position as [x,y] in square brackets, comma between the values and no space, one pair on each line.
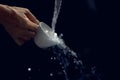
[46,29]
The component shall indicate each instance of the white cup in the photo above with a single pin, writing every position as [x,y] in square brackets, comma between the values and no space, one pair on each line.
[45,36]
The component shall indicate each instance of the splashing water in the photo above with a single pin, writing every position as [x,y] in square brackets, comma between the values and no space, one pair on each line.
[67,58]
[63,54]
[56,13]
[72,66]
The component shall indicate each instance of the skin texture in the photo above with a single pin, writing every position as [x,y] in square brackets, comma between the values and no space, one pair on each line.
[19,22]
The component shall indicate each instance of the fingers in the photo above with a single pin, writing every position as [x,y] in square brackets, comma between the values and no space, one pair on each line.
[31,17]
[31,26]
[31,22]
[19,41]
[28,35]
[26,19]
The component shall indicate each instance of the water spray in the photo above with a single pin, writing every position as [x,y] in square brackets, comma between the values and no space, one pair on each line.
[47,37]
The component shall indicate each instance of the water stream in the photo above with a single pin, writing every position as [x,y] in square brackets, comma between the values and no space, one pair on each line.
[56,13]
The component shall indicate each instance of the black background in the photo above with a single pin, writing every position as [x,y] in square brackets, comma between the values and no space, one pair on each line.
[91,32]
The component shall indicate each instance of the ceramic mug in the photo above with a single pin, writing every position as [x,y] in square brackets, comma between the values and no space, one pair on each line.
[45,36]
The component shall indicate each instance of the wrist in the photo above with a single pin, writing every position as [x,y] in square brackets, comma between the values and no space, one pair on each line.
[5,12]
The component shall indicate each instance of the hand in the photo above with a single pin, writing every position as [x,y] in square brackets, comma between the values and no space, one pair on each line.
[20,23]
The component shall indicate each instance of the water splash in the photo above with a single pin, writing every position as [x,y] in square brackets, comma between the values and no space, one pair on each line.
[72,66]
[56,13]
[67,58]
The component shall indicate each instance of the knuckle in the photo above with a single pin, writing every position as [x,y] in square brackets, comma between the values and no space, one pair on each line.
[27,23]
[13,12]
[27,10]
[31,33]
[35,28]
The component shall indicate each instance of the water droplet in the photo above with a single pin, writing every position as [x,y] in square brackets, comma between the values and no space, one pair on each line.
[80,62]
[51,74]
[54,58]
[61,35]
[29,69]
[93,69]
[60,63]
[51,58]
[63,67]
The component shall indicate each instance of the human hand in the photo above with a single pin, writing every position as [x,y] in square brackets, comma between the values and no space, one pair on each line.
[20,23]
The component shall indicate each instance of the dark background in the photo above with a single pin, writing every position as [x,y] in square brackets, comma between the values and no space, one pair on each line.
[91,31]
